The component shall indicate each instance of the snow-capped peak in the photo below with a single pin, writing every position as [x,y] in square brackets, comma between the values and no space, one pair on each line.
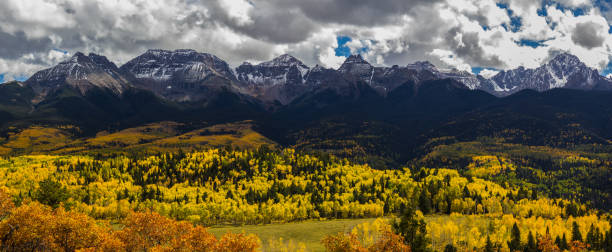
[355,59]
[566,59]
[82,72]
[562,71]
[77,67]
[423,65]
[355,65]
[76,58]
[282,60]
[284,69]
[182,64]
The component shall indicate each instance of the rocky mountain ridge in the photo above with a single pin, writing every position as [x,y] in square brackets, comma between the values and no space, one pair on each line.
[189,76]
[81,72]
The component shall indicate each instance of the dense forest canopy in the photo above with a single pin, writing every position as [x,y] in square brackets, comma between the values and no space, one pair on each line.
[230,186]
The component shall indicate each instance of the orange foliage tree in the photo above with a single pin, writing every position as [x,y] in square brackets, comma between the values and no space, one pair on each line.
[237,242]
[147,230]
[343,243]
[546,244]
[387,242]
[151,231]
[35,227]
[577,246]
[6,203]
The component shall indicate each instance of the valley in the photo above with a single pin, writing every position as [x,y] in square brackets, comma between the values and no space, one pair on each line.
[283,157]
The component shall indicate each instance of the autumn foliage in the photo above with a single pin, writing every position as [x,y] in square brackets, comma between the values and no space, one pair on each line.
[162,202]
[144,231]
[36,227]
[386,242]
[6,203]
[546,244]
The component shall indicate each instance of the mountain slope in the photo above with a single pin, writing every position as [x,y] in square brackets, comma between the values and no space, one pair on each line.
[563,71]
[408,105]
[281,79]
[180,75]
[81,73]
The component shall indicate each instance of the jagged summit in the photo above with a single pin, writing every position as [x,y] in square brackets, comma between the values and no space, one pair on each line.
[567,58]
[284,60]
[81,72]
[354,63]
[284,69]
[562,71]
[161,52]
[180,75]
[101,61]
[178,65]
[422,65]
[355,59]
[188,75]
[76,67]
[280,79]
[356,67]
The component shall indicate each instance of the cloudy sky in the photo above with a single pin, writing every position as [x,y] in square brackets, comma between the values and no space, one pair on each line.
[473,35]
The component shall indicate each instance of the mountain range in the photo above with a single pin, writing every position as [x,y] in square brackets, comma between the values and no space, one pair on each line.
[394,111]
[190,76]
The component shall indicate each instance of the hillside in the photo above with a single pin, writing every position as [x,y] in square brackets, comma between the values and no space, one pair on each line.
[263,186]
[149,138]
[283,146]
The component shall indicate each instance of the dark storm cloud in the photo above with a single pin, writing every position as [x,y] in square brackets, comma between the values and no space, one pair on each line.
[359,12]
[395,31]
[587,35]
[291,21]
[268,22]
[467,46]
[13,46]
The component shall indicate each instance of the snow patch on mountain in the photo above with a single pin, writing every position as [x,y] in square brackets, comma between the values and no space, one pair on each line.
[81,72]
[180,65]
[284,69]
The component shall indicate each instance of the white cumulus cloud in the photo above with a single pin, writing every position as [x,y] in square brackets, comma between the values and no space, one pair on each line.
[450,33]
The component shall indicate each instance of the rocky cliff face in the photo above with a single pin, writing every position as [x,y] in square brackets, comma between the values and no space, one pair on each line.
[281,79]
[81,72]
[190,76]
[563,71]
[180,75]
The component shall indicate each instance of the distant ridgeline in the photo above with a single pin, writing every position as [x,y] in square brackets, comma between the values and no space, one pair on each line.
[91,92]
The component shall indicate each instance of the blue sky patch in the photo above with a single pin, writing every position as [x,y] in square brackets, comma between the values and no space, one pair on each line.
[477,70]
[576,11]
[60,50]
[515,22]
[531,43]
[342,49]
[608,69]
[542,12]
[17,78]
